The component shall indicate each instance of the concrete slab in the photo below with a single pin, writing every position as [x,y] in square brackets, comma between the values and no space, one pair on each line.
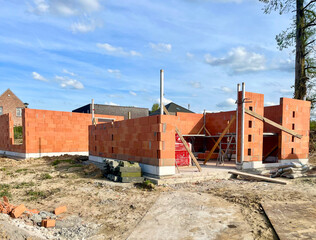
[187,215]
[292,220]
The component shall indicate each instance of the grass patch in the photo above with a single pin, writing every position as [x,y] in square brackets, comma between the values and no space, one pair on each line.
[46,176]
[34,195]
[4,190]
[24,185]
[3,169]
[76,165]
[146,185]
[56,162]
[21,170]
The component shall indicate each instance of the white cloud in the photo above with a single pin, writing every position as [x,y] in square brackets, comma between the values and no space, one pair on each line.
[190,55]
[270,104]
[165,101]
[117,50]
[161,47]
[65,8]
[115,72]
[239,60]
[228,103]
[133,93]
[66,82]
[111,103]
[67,72]
[82,27]
[287,92]
[287,65]
[39,77]
[195,84]
[226,89]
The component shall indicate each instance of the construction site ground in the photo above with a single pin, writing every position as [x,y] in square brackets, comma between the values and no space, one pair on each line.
[217,208]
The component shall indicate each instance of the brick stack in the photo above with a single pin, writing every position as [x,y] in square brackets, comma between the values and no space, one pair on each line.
[122,171]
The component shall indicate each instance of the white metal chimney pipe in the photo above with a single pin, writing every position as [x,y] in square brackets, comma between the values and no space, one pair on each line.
[161,90]
[242,124]
[92,111]
[238,89]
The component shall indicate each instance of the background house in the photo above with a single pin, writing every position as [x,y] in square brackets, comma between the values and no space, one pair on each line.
[135,112]
[10,103]
[172,109]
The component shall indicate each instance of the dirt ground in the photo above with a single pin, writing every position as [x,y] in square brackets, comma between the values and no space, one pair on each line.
[100,209]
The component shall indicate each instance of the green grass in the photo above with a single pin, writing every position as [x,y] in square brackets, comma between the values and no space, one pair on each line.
[18,132]
[24,185]
[3,169]
[46,176]
[56,162]
[4,190]
[34,195]
[21,170]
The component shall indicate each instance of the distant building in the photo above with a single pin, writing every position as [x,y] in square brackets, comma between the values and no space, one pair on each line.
[10,103]
[172,109]
[135,112]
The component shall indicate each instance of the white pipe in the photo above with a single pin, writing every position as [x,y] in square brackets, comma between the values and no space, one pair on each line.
[161,91]
[238,89]
[92,111]
[242,124]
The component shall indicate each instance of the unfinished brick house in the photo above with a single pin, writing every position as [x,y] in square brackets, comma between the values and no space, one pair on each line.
[266,136]
[10,103]
[48,133]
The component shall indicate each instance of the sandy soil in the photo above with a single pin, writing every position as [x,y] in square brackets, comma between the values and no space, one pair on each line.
[110,210]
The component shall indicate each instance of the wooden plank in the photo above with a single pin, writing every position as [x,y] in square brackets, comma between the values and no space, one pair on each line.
[258,177]
[207,131]
[274,124]
[188,149]
[200,130]
[268,154]
[165,110]
[219,139]
[291,220]
[184,143]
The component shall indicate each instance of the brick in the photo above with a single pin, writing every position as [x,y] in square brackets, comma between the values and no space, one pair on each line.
[60,210]
[48,223]
[18,211]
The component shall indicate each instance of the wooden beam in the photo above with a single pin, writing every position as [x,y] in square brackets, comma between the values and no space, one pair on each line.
[200,130]
[257,177]
[274,124]
[219,139]
[165,110]
[184,143]
[268,154]
[207,131]
[188,149]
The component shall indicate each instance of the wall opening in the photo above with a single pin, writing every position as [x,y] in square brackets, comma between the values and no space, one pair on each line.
[249,138]
[250,124]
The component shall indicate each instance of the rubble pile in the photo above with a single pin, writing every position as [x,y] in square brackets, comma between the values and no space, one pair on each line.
[291,170]
[122,171]
[38,218]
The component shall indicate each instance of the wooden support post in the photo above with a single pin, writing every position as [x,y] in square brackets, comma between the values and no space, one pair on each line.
[200,129]
[184,143]
[274,124]
[188,149]
[219,139]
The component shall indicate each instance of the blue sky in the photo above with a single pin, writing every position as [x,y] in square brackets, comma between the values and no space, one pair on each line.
[59,54]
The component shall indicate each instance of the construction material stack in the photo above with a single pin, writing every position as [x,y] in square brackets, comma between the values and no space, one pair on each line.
[291,170]
[122,171]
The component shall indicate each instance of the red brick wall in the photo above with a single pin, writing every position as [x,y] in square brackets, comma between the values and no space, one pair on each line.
[217,122]
[6,135]
[256,101]
[49,131]
[9,101]
[301,122]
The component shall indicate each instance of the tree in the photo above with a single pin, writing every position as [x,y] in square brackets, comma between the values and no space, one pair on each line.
[155,107]
[302,34]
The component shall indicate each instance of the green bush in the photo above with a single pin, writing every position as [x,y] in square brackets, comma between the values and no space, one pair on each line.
[18,132]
